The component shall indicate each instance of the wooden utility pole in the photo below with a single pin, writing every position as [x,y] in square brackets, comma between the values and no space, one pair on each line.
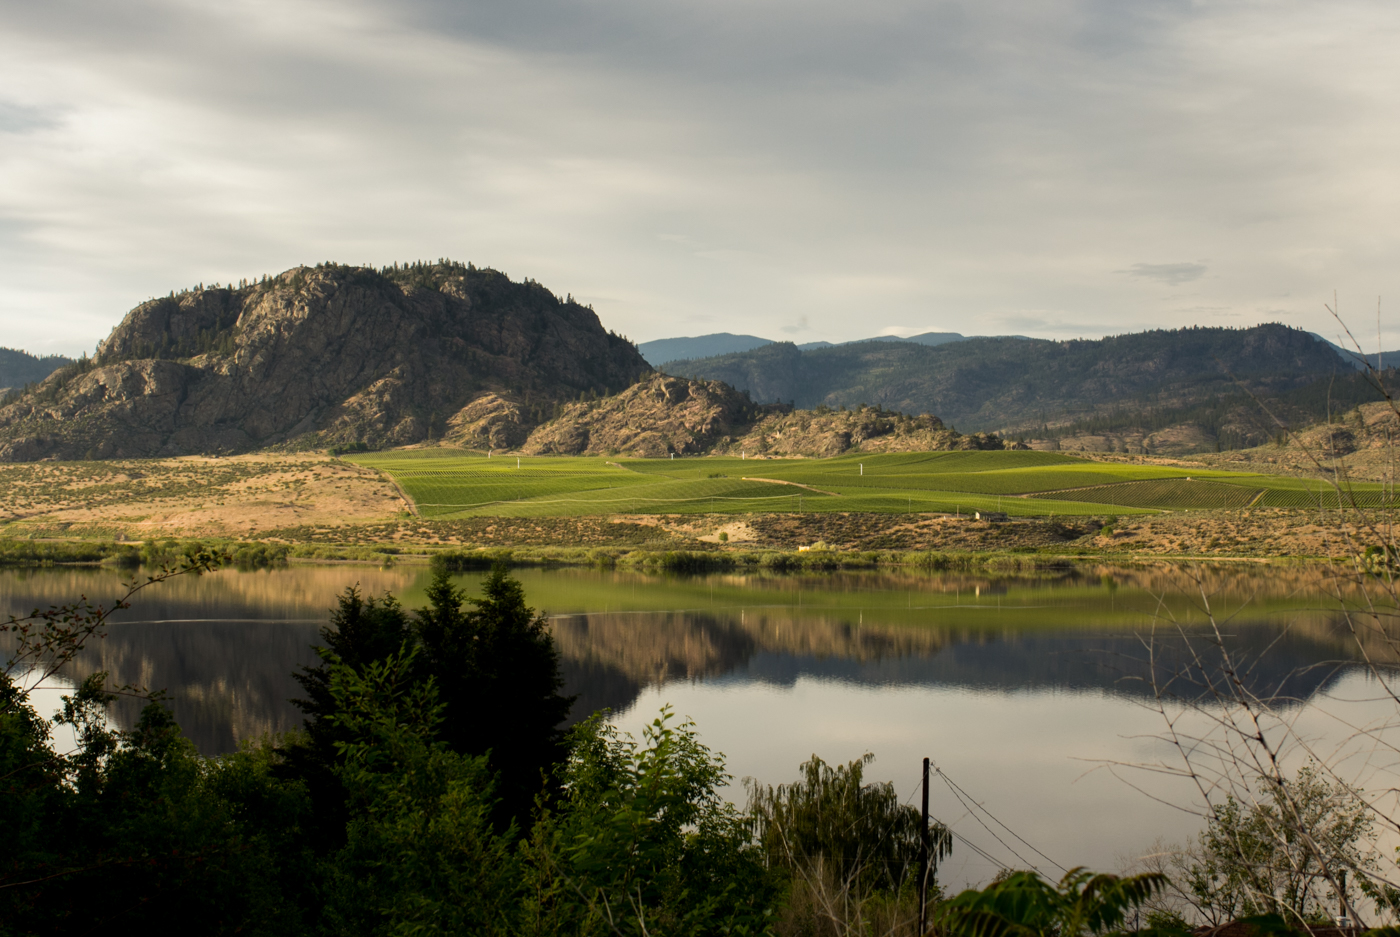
[923,860]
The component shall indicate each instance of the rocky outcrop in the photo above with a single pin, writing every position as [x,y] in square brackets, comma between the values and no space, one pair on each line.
[827,432]
[666,414]
[325,356]
[656,417]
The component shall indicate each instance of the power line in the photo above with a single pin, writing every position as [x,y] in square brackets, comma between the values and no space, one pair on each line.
[959,793]
[955,834]
[992,832]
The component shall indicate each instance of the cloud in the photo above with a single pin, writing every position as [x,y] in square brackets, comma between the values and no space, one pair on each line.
[933,161]
[1170,274]
[17,118]
[800,326]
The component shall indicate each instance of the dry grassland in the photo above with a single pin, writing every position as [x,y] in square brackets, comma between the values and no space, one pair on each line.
[238,496]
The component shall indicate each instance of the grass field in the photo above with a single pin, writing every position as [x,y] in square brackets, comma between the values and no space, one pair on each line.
[444,483]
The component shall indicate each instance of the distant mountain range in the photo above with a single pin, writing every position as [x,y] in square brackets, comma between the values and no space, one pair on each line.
[18,368]
[664,350]
[1385,359]
[1035,388]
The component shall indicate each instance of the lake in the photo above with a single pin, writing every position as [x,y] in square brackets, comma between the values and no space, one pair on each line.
[1021,688]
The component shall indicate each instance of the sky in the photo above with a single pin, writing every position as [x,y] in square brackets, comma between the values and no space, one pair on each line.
[807,170]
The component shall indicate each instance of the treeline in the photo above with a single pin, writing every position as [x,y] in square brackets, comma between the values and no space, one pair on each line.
[152,553]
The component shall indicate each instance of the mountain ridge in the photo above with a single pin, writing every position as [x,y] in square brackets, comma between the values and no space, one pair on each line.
[1023,385]
[18,368]
[661,351]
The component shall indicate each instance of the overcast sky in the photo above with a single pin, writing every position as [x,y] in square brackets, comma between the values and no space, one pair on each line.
[798,169]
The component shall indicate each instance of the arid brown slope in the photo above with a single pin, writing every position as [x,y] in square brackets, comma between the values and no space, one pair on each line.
[666,414]
[239,496]
[323,356]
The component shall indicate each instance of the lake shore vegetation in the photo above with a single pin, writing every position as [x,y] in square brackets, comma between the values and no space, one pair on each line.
[398,809]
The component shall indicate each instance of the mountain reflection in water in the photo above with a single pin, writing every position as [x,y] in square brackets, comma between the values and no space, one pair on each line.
[224,645]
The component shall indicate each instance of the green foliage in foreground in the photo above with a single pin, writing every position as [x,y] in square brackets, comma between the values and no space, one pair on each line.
[447,483]
[861,835]
[385,817]
[1025,905]
[1285,853]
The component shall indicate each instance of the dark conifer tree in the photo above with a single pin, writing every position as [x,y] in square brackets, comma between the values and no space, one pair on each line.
[361,631]
[497,671]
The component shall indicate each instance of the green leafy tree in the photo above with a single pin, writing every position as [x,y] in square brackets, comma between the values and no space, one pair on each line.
[421,856]
[1022,904]
[361,632]
[1287,854]
[143,829]
[831,818]
[641,842]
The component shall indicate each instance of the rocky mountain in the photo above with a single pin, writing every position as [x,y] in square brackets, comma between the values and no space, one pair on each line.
[18,368]
[662,414]
[1024,385]
[320,356]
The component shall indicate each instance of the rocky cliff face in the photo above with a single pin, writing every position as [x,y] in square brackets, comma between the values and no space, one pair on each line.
[649,420]
[666,414]
[827,432]
[324,356]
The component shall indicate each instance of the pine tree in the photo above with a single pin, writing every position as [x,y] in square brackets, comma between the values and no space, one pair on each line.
[497,672]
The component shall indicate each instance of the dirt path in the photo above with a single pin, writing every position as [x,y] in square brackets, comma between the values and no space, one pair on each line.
[779,481]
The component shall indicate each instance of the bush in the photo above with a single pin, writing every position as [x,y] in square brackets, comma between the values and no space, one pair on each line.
[643,843]
[40,553]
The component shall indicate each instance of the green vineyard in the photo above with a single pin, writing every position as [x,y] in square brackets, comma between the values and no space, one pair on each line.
[1169,493]
[449,483]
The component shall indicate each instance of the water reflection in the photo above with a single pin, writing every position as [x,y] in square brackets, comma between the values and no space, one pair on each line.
[1014,684]
[224,645]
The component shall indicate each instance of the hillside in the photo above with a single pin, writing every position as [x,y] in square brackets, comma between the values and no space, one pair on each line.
[664,415]
[1232,420]
[1028,387]
[700,346]
[18,368]
[330,355]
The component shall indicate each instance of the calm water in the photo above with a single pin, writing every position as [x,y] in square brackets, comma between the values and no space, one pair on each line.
[1018,687]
